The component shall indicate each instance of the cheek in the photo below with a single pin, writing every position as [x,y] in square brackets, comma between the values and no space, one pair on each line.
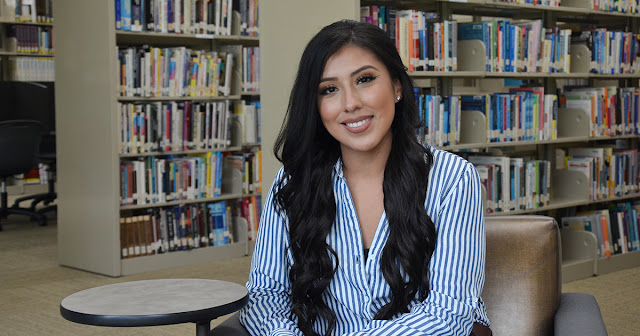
[329,111]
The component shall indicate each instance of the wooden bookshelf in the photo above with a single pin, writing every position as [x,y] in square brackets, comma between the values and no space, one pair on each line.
[88,92]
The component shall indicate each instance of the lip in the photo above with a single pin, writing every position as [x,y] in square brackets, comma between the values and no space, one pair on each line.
[360,128]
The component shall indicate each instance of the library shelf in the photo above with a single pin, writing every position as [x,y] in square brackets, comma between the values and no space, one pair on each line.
[567,7]
[250,94]
[579,255]
[191,151]
[454,74]
[561,140]
[516,143]
[190,201]
[15,53]
[28,23]
[566,203]
[618,262]
[177,98]
[183,152]
[616,198]
[88,90]
[129,37]
[182,258]
[614,137]
[553,205]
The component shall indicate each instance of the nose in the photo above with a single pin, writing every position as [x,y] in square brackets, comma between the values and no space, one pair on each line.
[352,100]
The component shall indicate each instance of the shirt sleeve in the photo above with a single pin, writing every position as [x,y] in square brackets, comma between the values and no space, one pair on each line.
[456,269]
[269,307]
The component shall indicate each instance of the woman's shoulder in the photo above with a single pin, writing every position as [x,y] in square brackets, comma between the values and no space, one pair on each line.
[448,164]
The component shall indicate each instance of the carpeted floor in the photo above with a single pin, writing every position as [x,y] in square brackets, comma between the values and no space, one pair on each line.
[32,286]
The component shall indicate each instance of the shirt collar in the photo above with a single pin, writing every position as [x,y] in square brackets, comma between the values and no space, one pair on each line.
[338,168]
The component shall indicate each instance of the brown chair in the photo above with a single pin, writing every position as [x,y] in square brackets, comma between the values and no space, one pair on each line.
[522,290]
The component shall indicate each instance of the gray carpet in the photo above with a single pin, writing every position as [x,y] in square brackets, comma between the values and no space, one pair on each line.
[32,286]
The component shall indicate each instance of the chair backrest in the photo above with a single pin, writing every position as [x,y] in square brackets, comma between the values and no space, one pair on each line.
[19,146]
[523,274]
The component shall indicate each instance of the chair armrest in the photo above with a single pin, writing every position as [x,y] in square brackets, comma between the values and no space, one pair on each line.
[230,327]
[579,314]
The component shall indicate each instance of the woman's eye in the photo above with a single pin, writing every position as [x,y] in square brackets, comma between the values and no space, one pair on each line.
[327,90]
[366,79]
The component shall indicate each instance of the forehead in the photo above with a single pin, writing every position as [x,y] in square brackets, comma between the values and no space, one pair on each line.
[348,59]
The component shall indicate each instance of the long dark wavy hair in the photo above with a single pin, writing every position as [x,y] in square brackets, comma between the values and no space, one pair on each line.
[305,192]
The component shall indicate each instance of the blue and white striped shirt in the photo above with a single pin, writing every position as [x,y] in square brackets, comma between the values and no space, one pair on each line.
[358,289]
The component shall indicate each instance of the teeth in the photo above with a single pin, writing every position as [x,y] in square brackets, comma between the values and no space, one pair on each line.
[359,123]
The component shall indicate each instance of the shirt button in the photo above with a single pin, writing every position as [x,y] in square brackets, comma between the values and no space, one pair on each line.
[357,259]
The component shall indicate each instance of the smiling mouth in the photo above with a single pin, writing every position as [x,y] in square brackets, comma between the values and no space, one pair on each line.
[359,123]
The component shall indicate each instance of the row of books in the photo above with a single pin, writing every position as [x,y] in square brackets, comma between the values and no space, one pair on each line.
[28,39]
[520,46]
[611,171]
[175,16]
[440,117]
[612,52]
[251,69]
[186,227]
[612,110]
[552,3]
[28,69]
[513,183]
[155,180]
[617,229]
[625,6]
[423,43]
[175,126]
[249,17]
[174,72]
[248,116]
[522,114]
[27,10]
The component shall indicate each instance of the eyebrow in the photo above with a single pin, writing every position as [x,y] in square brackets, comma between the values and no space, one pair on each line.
[352,74]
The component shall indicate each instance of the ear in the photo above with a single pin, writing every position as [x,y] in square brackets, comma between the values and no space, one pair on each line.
[397,88]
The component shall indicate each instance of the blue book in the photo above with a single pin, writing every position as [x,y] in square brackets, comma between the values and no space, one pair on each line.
[125,14]
[218,182]
[118,17]
[446,120]
[512,49]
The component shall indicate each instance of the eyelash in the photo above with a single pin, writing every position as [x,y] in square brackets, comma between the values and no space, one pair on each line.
[366,78]
[361,80]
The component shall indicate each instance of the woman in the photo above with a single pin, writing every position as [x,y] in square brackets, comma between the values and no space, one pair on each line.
[365,231]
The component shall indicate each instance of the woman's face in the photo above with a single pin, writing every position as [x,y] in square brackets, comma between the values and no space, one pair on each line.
[356,99]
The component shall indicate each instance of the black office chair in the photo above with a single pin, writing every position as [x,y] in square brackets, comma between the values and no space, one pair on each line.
[47,156]
[19,147]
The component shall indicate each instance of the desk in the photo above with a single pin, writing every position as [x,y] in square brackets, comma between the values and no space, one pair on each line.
[155,302]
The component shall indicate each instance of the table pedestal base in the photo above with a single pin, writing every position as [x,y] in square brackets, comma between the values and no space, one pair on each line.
[203,328]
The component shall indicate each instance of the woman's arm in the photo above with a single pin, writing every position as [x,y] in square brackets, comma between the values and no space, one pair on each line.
[456,270]
[269,305]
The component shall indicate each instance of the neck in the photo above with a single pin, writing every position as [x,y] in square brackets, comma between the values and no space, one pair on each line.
[369,164]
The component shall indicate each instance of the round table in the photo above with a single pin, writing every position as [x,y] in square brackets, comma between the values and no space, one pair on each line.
[155,302]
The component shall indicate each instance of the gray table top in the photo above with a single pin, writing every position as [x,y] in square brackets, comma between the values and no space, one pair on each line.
[154,302]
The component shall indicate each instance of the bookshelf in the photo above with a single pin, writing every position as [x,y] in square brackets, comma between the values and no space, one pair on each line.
[26,41]
[568,190]
[89,139]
